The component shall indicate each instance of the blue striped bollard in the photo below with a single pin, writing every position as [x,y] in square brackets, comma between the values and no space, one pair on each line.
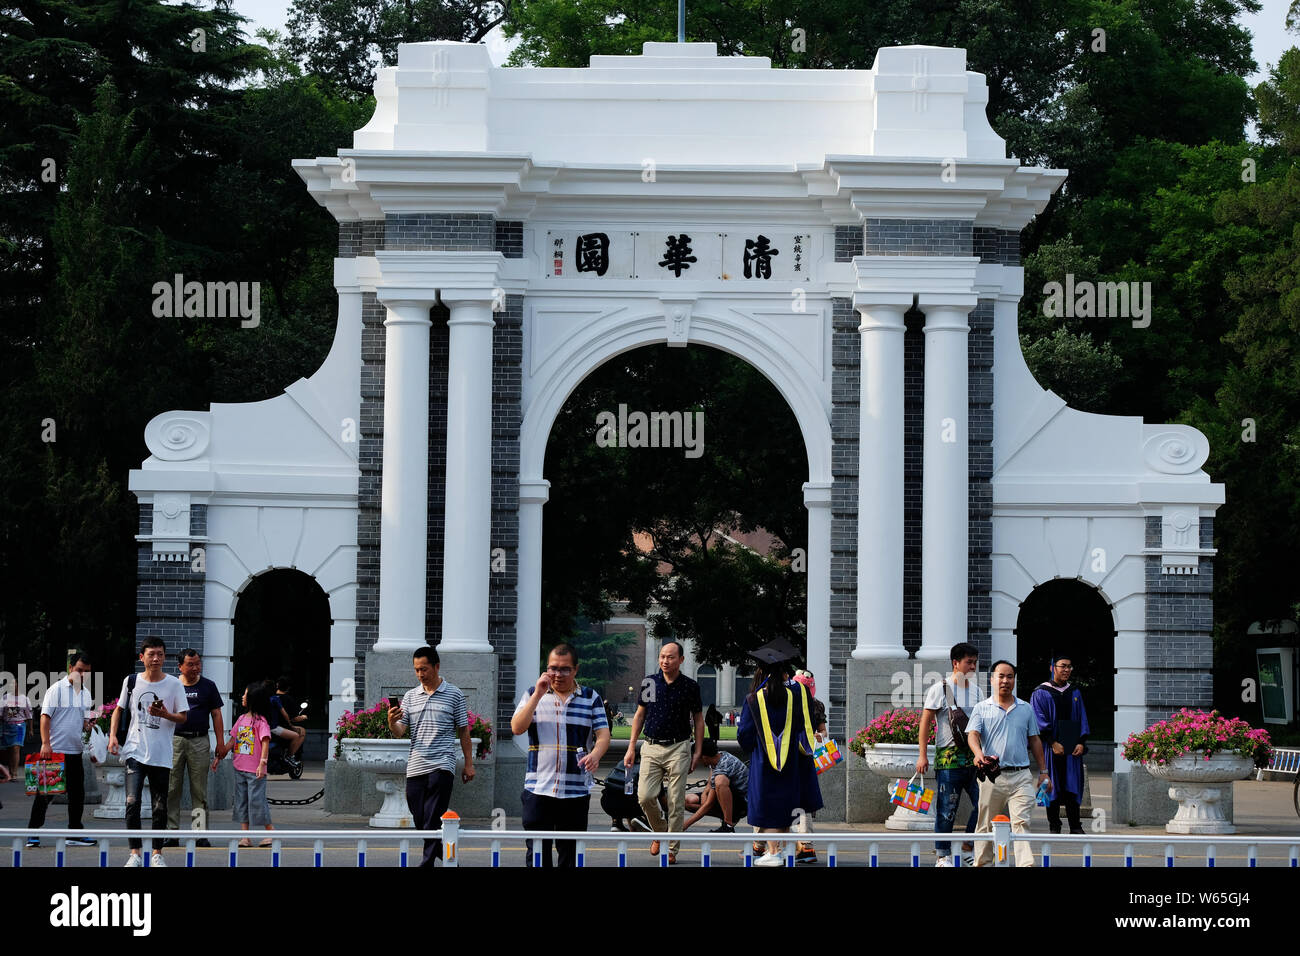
[318,853]
[1128,855]
[873,854]
[361,854]
[1169,855]
[830,855]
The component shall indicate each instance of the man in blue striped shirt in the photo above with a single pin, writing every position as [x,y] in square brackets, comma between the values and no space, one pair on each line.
[560,718]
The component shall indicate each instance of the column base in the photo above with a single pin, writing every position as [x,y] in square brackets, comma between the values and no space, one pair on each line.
[872,652]
[870,685]
[934,652]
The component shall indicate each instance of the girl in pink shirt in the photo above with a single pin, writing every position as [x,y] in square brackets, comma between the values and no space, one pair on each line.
[250,740]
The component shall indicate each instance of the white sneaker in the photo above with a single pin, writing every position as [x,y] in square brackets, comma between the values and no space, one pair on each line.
[770,859]
[134,860]
[943,861]
[157,860]
[968,859]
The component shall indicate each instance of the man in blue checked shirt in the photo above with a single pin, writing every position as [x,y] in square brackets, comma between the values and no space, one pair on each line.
[560,717]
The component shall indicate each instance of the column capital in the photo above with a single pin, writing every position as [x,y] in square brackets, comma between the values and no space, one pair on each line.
[881,311]
[407,311]
[817,494]
[356,274]
[947,318]
[534,491]
[430,274]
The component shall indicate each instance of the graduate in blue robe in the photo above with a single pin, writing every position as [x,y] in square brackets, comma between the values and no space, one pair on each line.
[1053,701]
[774,794]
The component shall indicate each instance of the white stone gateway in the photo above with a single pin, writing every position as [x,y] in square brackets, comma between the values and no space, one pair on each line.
[503,232]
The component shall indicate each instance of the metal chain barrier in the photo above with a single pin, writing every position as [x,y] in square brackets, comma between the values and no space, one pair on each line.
[297,803]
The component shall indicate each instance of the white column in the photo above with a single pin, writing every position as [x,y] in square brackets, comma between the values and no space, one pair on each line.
[945,503]
[880,480]
[466,552]
[404,504]
[533,495]
[817,499]
[727,687]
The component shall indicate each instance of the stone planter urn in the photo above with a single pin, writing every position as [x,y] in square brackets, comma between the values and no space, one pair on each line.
[891,761]
[1194,786]
[387,760]
[113,803]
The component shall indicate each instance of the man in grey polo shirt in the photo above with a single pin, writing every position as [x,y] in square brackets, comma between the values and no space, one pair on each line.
[437,718]
[1004,728]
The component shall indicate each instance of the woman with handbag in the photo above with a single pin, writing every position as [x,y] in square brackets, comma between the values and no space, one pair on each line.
[777,732]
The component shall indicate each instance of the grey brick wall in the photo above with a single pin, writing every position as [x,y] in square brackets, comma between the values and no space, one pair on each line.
[370,461]
[454,232]
[913,473]
[848,243]
[999,246]
[917,237]
[1179,623]
[846,348]
[979,602]
[360,237]
[507,419]
[510,239]
[439,358]
[169,595]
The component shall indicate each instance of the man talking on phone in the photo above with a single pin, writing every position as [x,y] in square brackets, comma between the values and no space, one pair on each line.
[436,717]
[156,704]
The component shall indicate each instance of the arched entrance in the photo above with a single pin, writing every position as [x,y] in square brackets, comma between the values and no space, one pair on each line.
[282,629]
[707,677]
[1069,617]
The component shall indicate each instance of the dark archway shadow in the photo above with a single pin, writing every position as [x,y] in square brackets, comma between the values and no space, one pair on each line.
[1069,617]
[282,628]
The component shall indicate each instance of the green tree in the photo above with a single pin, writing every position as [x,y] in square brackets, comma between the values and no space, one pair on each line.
[342,42]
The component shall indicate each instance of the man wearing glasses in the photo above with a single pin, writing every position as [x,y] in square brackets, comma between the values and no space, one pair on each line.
[568,733]
[1062,726]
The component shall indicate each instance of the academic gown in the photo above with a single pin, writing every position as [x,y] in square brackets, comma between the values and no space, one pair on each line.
[1049,704]
[774,795]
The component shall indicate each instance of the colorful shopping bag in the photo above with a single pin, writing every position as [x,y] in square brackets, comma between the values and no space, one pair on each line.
[912,795]
[827,755]
[45,776]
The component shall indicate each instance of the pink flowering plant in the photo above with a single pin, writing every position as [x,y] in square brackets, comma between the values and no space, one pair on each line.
[480,728]
[371,724]
[891,727]
[105,718]
[1191,732]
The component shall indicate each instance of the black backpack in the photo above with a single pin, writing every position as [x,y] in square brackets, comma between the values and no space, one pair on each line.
[123,725]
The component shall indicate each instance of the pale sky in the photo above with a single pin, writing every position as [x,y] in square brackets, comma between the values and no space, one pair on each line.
[1271,38]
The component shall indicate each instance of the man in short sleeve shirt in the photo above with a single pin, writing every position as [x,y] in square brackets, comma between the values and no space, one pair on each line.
[954,763]
[561,719]
[191,752]
[437,718]
[65,715]
[158,705]
[1003,726]
[670,706]
[726,793]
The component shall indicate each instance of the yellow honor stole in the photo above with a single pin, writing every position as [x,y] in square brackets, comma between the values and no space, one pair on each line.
[769,739]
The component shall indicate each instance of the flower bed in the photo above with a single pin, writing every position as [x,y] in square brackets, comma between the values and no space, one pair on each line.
[373,724]
[891,727]
[1198,732]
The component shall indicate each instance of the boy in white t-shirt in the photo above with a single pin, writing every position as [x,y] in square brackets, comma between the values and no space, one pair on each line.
[954,763]
[158,705]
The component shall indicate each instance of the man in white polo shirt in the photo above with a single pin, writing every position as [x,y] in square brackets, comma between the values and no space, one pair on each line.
[65,716]
[1001,732]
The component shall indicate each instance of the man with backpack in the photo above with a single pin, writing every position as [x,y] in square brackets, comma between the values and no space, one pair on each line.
[947,706]
[155,704]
